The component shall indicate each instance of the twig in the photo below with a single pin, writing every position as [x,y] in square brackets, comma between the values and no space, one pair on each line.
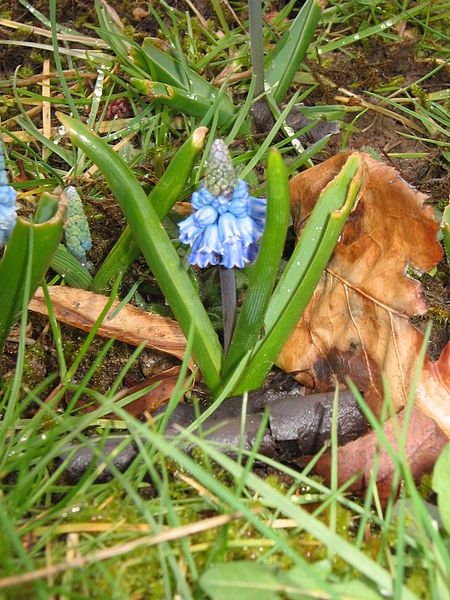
[46,107]
[353,99]
[79,562]
[69,73]
[65,37]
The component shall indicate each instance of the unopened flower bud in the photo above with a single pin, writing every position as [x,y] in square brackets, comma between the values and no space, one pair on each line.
[220,178]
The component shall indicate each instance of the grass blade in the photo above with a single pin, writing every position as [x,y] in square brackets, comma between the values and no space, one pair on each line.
[285,59]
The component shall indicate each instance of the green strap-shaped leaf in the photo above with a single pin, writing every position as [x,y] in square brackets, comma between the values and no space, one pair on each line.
[70,269]
[285,59]
[156,247]
[251,317]
[190,103]
[13,265]
[173,83]
[304,270]
[163,196]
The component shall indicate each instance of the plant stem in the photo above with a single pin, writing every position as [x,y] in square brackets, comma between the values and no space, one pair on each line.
[256,43]
[228,293]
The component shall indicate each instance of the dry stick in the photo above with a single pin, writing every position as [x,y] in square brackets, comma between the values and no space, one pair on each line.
[68,74]
[49,563]
[34,111]
[235,17]
[221,78]
[105,127]
[200,17]
[46,107]
[78,562]
[65,37]
[352,98]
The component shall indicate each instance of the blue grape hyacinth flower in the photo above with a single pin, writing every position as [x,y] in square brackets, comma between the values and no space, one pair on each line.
[8,204]
[227,222]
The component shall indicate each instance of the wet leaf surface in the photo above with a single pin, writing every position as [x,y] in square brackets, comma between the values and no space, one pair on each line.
[155,398]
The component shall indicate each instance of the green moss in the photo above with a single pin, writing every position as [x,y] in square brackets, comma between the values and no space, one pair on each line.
[24,72]
[417,581]
[36,57]
[35,365]
[439,314]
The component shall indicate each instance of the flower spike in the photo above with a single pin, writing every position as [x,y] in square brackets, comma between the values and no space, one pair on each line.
[226,222]
[8,204]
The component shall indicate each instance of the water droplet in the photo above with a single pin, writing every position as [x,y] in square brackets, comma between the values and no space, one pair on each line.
[389,23]
[383,25]
[356,36]
[43,436]
[75,509]
[319,51]
[298,263]
[61,130]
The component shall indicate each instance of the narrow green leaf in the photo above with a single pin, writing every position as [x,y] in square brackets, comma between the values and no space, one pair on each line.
[13,265]
[162,197]
[262,278]
[70,269]
[285,59]
[167,69]
[156,247]
[111,30]
[304,270]
[241,579]
[441,485]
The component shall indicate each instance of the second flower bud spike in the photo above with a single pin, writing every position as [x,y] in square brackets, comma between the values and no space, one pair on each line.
[76,228]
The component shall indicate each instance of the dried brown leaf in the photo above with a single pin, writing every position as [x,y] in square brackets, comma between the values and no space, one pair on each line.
[132,325]
[357,322]
[154,399]
[424,442]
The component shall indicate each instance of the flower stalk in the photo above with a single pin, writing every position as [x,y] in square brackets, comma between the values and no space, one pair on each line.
[225,227]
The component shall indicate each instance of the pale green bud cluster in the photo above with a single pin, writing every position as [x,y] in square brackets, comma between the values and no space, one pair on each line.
[220,178]
[76,229]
